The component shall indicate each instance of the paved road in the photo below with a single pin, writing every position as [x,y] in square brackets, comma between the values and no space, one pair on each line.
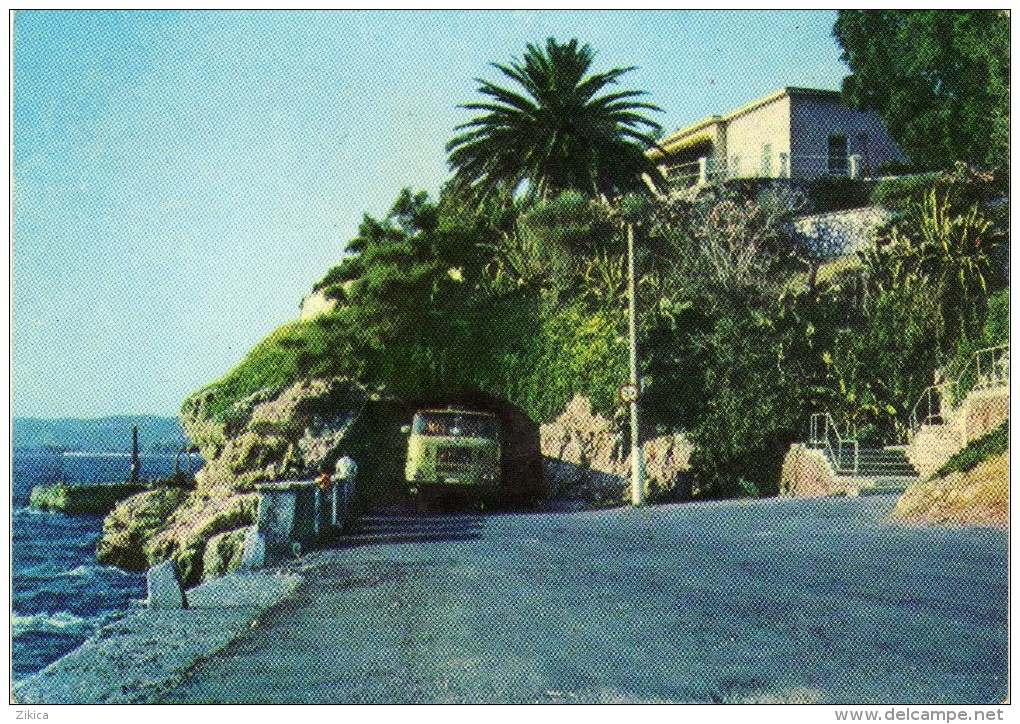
[771,601]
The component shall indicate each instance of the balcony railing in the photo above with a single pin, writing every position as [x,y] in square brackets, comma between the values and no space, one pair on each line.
[710,169]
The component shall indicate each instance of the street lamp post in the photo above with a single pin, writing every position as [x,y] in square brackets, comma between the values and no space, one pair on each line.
[637,471]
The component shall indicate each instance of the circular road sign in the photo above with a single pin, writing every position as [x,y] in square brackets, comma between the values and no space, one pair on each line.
[629,392]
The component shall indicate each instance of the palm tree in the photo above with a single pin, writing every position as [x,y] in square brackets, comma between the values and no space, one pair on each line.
[559,133]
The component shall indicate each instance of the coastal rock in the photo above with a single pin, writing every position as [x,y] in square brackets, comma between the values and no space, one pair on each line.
[132,522]
[587,458]
[223,553]
[190,528]
[807,474]
[272,434]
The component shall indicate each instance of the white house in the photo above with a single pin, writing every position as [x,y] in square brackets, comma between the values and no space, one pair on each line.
[796,133]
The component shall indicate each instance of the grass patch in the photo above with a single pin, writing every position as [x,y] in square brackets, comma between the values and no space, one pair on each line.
[275,362]
[992,443]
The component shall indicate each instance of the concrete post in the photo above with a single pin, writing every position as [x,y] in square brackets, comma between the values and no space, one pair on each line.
[702,171]
[165,590]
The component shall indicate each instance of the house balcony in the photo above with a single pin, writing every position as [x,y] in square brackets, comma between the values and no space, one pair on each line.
[708,170]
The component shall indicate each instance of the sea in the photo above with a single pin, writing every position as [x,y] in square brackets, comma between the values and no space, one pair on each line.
[60,594]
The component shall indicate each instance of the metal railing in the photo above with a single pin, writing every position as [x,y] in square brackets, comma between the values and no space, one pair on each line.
[985,368]
[711,169]
[843,452]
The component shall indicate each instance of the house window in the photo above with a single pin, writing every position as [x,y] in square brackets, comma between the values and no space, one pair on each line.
[766,160]
[838,154]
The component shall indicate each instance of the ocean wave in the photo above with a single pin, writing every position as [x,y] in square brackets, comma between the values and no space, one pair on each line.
[41,571]
[60,622]
[94,569]
[28,510]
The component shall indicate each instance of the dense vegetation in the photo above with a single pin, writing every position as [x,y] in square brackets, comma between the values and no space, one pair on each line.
[741,337]
[938,78]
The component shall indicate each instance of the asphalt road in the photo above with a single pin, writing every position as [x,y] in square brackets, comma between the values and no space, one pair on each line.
[771,601]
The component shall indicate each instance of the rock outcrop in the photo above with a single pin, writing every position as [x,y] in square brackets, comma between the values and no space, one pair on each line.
[586,458]
[979,496]
[807,474]
[271,435]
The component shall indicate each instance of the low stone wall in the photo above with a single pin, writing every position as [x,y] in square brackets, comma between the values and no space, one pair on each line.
[932,446]
[979,413]
[983,411]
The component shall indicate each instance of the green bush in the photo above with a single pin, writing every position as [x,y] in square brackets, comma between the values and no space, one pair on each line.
[835,193]
[992,443]
[996,329]
[896,168]
[898,193]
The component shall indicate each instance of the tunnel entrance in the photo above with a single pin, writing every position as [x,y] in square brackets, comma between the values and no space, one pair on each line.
[380,448]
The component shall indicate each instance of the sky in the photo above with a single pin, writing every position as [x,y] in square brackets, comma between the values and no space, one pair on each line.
[182,179]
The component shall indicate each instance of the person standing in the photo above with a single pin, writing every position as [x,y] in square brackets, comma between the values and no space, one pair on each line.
[346,474]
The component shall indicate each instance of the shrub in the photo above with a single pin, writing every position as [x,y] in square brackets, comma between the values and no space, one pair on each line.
[835,193]
[276,362]
[896,168]
[898,193]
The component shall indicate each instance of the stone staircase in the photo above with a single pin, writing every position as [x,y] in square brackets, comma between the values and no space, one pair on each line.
[859,469]
[884,470]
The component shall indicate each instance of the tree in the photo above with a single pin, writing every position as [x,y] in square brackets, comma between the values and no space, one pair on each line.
[559,134]
[939,79]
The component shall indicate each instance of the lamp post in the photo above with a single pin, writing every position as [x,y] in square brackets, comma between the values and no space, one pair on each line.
[637,463]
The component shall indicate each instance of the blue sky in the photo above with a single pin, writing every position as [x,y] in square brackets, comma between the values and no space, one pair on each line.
[182,179]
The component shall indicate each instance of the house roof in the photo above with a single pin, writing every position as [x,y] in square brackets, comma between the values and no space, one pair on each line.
[679,139]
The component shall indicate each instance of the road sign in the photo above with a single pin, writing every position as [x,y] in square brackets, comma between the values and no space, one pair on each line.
[629,393]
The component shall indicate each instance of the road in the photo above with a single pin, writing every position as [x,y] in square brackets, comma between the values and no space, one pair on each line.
[814,601]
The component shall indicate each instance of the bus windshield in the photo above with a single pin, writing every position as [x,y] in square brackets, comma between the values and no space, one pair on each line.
[455,424]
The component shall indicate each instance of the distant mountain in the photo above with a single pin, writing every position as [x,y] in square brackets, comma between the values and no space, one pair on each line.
[101,434]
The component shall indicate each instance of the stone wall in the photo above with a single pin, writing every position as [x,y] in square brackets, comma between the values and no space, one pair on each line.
[842,233]
[980,412]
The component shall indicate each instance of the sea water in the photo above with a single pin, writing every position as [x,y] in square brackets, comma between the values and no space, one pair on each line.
[60,594]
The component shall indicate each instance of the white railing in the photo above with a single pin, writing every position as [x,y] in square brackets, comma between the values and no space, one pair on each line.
[711,169]
[843,452]
[985,368]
